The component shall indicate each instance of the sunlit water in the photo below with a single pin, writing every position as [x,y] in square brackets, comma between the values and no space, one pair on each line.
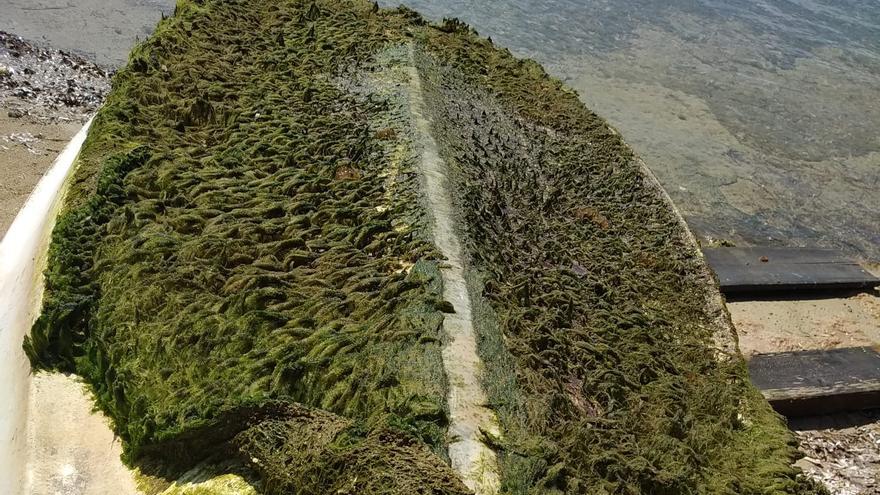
[760,117]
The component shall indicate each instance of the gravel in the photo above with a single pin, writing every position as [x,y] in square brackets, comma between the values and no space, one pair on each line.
[842,451]
[48,86]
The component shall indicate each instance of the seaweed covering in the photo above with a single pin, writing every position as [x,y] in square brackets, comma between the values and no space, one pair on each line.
[244,270]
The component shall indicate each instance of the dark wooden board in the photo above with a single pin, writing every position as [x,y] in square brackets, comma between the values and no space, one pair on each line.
[765,269]
[807,383]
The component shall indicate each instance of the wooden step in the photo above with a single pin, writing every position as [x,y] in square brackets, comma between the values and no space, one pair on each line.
[808,383]
[764,269]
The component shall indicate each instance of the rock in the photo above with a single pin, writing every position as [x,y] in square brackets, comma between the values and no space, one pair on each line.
[15,113]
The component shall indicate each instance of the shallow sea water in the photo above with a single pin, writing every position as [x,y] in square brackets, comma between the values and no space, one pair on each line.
[759,117]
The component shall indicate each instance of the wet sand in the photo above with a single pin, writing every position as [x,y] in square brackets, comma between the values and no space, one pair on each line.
[102,30]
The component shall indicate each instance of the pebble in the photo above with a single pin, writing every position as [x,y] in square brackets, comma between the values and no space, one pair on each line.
[48,85]
[845,458]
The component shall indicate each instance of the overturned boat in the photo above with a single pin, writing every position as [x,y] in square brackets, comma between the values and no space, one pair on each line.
[322,247]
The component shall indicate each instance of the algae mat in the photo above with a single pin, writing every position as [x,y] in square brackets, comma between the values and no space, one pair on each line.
[329,248]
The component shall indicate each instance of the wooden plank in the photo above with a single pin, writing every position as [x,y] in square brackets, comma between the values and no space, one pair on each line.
[807,383]
[764,269]
[780,255]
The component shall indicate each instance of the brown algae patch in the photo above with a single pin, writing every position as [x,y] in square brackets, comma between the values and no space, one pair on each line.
[250,270]
[606,326]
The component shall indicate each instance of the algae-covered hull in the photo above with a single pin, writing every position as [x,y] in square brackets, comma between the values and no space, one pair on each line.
[333,249]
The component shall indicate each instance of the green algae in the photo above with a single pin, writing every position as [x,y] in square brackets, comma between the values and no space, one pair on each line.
[243,270]
[210,258]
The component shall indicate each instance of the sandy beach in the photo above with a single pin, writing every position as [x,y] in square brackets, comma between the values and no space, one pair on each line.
[26,151]
[45,97]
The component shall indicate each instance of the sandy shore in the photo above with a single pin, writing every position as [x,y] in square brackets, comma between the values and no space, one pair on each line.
[45,97]
[104,31]
[774,325]
[27,149]
[843,450]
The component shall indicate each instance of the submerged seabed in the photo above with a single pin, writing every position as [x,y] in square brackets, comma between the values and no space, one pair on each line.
[245,272]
